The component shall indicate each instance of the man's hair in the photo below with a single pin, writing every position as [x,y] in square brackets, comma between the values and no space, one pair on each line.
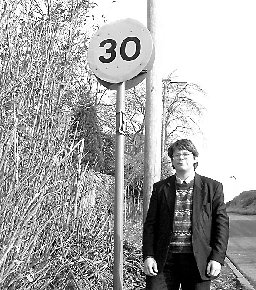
[183,144]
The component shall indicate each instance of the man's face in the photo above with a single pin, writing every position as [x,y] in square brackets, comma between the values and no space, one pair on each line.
[183,160]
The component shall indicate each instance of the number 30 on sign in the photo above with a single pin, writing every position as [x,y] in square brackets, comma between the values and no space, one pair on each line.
[120,51]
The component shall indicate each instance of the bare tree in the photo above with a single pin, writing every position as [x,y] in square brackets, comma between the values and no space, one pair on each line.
[182,112]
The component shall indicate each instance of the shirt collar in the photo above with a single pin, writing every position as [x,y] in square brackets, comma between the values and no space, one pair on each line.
[187,180]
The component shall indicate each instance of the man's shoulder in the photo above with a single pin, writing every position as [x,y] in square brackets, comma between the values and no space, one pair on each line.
[209,180]
[165,181]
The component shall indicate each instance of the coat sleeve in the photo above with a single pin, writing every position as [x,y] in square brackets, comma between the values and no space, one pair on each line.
[150,225]
[220,226]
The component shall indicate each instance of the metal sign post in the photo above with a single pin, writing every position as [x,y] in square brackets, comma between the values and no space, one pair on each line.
[119,187]
[120,54]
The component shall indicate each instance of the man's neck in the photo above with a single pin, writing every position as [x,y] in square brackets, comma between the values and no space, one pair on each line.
[183,175]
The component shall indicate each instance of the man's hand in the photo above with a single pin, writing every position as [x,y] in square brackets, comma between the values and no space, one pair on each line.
[150,267]
[213,268]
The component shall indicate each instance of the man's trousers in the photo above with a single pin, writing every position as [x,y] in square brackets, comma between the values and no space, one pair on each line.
[180,270]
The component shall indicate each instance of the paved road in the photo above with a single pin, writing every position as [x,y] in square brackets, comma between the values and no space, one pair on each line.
[242,244]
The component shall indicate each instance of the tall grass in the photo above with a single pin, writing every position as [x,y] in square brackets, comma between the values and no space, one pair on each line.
[56,216]
[51,221]
[52,231]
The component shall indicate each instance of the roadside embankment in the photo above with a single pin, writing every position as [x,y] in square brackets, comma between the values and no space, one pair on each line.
[242,281]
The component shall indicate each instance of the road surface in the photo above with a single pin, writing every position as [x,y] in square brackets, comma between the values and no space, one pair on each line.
[242,244]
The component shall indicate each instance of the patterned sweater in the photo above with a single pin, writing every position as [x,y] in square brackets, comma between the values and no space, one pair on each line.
[181,239]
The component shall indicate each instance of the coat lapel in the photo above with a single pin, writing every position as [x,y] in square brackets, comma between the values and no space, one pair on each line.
[170,193]
[198,198]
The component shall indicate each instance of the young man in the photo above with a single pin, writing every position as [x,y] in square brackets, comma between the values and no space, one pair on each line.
[186,230]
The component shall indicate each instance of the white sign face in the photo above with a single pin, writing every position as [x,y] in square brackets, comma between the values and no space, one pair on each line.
[120,50]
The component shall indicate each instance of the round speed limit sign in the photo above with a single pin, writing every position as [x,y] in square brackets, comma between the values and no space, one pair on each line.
[119,51]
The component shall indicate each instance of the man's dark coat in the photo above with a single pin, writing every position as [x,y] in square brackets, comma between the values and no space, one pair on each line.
[210,223]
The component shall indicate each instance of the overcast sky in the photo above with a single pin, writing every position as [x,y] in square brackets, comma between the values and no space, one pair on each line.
[212,44]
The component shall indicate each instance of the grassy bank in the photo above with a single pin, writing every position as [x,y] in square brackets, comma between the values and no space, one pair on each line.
[244,203]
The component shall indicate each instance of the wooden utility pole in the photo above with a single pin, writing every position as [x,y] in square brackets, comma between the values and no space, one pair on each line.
[153,117]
